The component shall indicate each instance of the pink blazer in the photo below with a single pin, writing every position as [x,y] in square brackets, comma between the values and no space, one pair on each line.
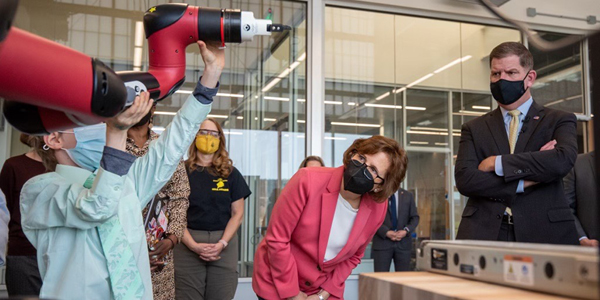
[290,257]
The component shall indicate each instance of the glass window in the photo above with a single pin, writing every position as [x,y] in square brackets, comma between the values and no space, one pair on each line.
[359,98]
[559,82]
[261,107]
[465,107]
[261,100]
[427,118]
[477,41]
[431,59]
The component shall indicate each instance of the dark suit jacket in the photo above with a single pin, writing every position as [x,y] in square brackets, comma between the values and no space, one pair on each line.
[541,214]
[581,192]
[407,217]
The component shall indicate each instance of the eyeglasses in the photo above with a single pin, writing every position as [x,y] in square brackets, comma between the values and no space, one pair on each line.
[359,160]
[214,133]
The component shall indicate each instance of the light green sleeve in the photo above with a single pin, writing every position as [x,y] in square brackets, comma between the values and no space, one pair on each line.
[153,170]
[48,200]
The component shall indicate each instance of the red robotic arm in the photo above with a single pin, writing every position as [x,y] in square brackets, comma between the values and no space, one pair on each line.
[50,87]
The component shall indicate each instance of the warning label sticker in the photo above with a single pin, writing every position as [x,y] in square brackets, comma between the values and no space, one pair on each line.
[518,269]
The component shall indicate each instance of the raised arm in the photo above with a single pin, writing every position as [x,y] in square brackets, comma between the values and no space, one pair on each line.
[152,171]
[48,200]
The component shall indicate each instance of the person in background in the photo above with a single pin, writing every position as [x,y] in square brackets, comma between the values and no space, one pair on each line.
[172,204]
[312,161]
[206,267]
[393,240]
[22,273]
[323,221]
[4,219]
[87,227]
[582,195]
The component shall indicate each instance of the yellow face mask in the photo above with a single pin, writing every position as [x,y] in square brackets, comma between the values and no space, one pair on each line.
[207,144]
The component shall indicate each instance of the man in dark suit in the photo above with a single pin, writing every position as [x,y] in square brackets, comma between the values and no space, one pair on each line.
[393,240]
[582,193]
[511,161]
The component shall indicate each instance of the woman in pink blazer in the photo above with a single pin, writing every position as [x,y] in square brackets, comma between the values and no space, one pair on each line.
[323,221]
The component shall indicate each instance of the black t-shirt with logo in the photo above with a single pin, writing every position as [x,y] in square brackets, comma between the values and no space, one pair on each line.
[211,198]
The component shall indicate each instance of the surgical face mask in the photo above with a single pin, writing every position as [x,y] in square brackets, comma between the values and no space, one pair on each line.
[207,144]
[90,146]
[508,92]
[355,179]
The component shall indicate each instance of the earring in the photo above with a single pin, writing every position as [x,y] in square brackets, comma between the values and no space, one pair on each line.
[45,147]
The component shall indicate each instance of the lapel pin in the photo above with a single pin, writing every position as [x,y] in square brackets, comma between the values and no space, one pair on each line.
[536,117]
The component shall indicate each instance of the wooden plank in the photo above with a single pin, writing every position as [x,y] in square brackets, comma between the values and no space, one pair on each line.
[432,286]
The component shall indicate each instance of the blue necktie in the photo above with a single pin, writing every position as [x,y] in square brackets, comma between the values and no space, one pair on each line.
[394,212]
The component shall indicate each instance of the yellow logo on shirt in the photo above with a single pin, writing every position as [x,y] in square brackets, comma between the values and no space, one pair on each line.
[220,184]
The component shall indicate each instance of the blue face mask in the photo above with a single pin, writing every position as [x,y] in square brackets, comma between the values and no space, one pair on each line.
[90,146]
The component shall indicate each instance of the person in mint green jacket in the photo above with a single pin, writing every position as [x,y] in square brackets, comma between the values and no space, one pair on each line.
[84,219]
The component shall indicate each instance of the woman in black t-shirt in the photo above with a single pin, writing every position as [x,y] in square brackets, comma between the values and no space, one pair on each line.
[206,263]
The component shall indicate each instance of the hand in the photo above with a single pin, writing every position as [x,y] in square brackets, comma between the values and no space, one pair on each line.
[401,233]
[488,164]
[132,115]
[589,242]
[391,235]
[161,249]
[157,264]
[153,267]
[300,296]
[200,248]
[324,293]
[211,252]
[214,249]
[549,145]
[214,62]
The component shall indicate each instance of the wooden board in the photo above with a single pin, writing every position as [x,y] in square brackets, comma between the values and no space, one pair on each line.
[432,286]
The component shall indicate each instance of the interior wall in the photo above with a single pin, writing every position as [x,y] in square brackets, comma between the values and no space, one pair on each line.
[393,49]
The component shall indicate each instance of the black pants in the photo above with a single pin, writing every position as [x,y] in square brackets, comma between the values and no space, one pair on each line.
[22,276]
[399,253]
[507,233]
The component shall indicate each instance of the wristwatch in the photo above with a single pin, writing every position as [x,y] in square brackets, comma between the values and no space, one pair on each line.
[224,243]
[407,230]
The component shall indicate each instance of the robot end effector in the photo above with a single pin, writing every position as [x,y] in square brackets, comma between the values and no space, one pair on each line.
[51,87]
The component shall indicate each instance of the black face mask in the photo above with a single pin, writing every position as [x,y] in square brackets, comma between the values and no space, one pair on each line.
[355,180]
[144,120]
[508,92]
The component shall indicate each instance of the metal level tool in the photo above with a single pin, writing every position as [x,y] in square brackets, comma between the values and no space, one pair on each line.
[563,270]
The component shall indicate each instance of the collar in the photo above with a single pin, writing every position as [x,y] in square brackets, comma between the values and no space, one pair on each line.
[524,108]
[73,174]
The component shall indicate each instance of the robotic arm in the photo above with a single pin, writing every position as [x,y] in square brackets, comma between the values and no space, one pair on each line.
[50,87]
